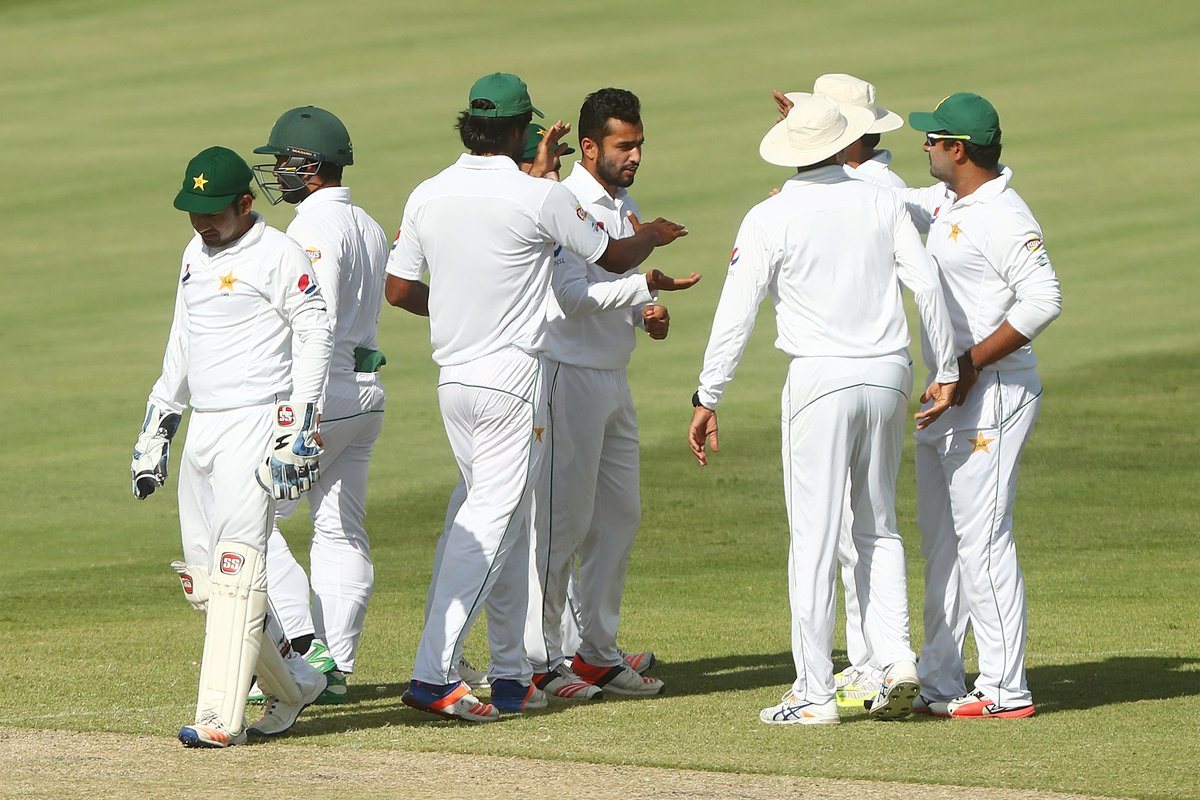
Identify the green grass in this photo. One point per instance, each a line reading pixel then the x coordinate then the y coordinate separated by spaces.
pixel 104 103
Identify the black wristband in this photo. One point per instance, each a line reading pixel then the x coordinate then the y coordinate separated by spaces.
pixel 696 400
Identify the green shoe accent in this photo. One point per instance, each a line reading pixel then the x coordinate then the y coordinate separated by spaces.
pixel 318 656
pixel 335 692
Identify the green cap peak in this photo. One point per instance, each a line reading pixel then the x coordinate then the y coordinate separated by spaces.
pixel 506 92
pixel 310 132
pixel 961 114
pixel 213 179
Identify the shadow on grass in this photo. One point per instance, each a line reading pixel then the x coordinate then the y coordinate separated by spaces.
pixel 1122 679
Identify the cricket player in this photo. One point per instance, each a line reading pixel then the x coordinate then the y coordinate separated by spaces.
pixel 833 251
pixel 348 252
pixel 249 350
pixel 866 161
pixel 1002 293
pixel 591 505
pixel 486 233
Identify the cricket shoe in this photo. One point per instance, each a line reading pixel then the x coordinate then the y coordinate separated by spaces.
pixel 562 684
pixel 856 685
pixel 934 708
pixel 318 656
pixel 210 731
pixel 618 680
pixel 450 701
pixel 278 714
pixel 976 705
pixel 513 697
pixel 471 676
pixel 639 662
pixel 336 692
pixel 791 710
pixel 898 688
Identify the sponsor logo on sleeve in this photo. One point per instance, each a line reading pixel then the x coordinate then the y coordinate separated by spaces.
pixel 734 256
pixel 306 285
pixel 579 212
pixel 231 563
pixel 187 273
pixel 286 417
pixel 314 255
pixel 1034 244
pixel 601 224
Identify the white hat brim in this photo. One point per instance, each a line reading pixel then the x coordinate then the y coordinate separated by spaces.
pixel 885 120
pixel 776 149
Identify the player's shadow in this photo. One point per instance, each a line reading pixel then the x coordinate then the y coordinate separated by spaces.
pixel 729 673
pixel 1120 679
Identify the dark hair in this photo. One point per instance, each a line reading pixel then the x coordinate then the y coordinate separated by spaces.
pixel 330 172
pixel 605 104
pixel 489 134
pixel 870 140
pixel 984 156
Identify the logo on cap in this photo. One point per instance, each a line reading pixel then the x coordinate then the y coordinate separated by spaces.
pixel 231 563
pixel 199 181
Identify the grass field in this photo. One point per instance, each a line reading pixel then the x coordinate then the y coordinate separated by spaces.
pixel 101 105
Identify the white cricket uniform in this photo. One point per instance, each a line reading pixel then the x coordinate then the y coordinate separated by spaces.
pixel 486 232
pixel 832 252
pixel 591 503
pixel 876 169
pixel 250 330
pixel 348 251
pixel 993 267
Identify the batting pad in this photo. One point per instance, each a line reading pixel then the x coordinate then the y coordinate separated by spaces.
pixel 274 675
pixel 237 607
pixel 194 579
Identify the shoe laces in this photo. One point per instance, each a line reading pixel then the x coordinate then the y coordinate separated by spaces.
pixel 210 719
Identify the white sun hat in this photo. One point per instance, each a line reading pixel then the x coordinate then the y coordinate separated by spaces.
pixel 815 129
pixel 847 90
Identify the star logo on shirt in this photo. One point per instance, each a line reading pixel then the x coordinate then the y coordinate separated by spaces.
pixel 199 181
pixel 227 281
pixel 980 442
pixel 538 433
pixel 955 231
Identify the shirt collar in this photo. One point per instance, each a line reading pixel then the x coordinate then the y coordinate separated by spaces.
pixel 882 158
pixel 471 161
pixel 332 194
pixel 990 190
pixel 584 185
pixel 834 173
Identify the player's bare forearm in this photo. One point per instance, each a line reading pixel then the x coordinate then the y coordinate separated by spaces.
pixel 412 296
pixel 622 255
pixel 999 343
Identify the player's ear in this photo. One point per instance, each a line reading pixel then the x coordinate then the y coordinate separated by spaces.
pixel 590 148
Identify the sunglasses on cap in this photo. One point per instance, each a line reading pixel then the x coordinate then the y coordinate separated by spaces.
pixel 933 138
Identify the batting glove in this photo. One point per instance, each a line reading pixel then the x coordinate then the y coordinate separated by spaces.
pixel 152 451
pixel 291 467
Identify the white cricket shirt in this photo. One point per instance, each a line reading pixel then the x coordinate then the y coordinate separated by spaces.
pixel 348 251
pixel 250 326
pixel 878 168
pixel 832 252
pixel 593 313
pixel 992 261
pixel 486 232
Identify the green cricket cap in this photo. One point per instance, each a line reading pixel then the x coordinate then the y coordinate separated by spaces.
pixel 534 138
pixel 962 114
pixel 213 179
pixel 311 132
pixel 507 93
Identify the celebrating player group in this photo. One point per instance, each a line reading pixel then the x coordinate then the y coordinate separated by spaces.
pixel 534 298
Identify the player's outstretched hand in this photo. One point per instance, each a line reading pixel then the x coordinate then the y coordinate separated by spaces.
pixel 782 103
pixel 703 430
pixel 942 395
pixel 152 452
pixel 659 281
pixel 664 230
pixel 291 465
pixel 657 320
pixel 550 149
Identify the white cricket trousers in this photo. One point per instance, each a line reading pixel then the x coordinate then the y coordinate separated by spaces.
pixel 967 488
pixel 494 412
pixel 343 576
pixel 589 504
pixel 219 499
pixel 843 423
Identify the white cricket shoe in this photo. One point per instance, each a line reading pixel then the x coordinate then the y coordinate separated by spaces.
pixel 280 715
pixel 855 685
pixel 791 710
pixel 210 731
pixel 618 680
pixel 898 688
pixel 472 677
pixel 451 701
pixel 562 684
pixel 639 662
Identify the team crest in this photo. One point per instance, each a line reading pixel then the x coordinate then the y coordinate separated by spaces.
pixel 231 563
